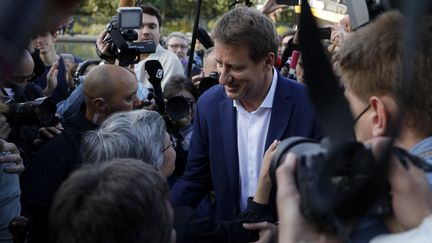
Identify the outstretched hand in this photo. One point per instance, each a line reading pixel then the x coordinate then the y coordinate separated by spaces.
pixel 270 8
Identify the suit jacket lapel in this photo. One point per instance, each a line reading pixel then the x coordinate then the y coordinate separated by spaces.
pixel 281 112
pixel 229 132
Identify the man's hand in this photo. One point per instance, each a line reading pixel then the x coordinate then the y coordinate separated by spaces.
pixel 11 154
pixel 69 75
pixel 411 194
pixel 196 80
pixel 48 132
pixel 5 128
pixel 103 46
pixel 264 182
pixel 293 227
pixel 267 231
pixel 270 8
pixel 51 79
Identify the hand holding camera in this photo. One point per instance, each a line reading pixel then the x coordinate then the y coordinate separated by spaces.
pixel 10 154
pixel 5 128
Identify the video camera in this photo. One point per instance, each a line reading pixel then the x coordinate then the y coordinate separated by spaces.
pixel 122 31
pixel 40 112
pixel 340 182
pixel 363 11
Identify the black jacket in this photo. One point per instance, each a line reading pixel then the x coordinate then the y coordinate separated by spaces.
pixel 52 164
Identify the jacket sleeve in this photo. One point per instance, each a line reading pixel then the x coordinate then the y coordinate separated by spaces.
pixel 196 181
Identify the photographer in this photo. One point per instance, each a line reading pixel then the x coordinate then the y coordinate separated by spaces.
pixel 378 95
pixel 107 89
pixel 410 189
pixel 181 97
pixel 148 31
pixel 11 162
pixel 373 89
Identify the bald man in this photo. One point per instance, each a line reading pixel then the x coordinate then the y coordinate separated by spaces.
pixel 107 89
pixel 14 82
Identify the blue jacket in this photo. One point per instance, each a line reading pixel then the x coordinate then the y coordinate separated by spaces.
pixel 213 158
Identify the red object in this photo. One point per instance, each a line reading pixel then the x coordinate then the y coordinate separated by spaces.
pixel 278 62
pixel 294 59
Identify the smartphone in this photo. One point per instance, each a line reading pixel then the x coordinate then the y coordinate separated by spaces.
pixel 288 2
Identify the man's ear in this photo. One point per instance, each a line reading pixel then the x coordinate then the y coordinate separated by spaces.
pixel 269 60
pixel 100 104
pixel 54 36
pixel 380 116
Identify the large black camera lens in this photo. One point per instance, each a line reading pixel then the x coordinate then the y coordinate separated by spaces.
pixel 340 181
pixel 39 112
pixel 178 107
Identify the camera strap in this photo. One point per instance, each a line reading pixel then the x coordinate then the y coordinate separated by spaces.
pixel 325 92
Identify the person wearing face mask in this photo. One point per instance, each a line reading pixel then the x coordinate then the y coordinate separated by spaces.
pixel 108 89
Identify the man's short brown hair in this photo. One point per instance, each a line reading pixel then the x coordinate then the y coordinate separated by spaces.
pixel 247 26
pixel 123 200
pixel 370 63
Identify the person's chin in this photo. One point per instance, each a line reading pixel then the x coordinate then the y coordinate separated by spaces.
pixel 232 93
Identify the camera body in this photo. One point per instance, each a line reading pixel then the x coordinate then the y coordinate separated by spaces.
pixel 178 107
pixel 40 112
pixel 336 182
pixel 363 11
pixel 209 81
pixel 123 34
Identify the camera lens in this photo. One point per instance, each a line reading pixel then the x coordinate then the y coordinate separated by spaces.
pixel 177 107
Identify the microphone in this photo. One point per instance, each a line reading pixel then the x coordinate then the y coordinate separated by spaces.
pixel 155 72
pixel 293 64
pixel 126 3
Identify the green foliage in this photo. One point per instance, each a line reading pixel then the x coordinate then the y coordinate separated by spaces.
pixel 99 10
pixel 179 15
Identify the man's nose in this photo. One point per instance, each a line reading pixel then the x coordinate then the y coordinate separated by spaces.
pixel 224 77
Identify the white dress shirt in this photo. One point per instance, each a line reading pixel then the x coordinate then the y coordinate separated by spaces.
pixel 252 128
pixel 421 234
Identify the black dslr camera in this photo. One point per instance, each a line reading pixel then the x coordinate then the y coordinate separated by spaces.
pixel 341 182
pixel 122 31
pixel 40 112
pixel 178 107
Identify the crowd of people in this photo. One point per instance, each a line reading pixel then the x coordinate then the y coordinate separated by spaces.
pixel 100 161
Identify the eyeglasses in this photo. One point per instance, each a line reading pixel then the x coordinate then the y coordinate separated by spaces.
pixel 175 46
pixel 169 145
pixel 362 113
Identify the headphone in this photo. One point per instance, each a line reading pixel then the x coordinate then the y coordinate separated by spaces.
pixel 82 67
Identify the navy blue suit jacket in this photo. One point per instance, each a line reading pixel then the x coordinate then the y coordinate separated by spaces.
pixel 213 157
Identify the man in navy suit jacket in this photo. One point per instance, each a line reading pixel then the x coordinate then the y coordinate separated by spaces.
pixel 236 121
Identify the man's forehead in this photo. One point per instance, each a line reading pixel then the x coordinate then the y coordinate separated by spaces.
pixel 149 19
pixel 177 40
pixel 230 51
